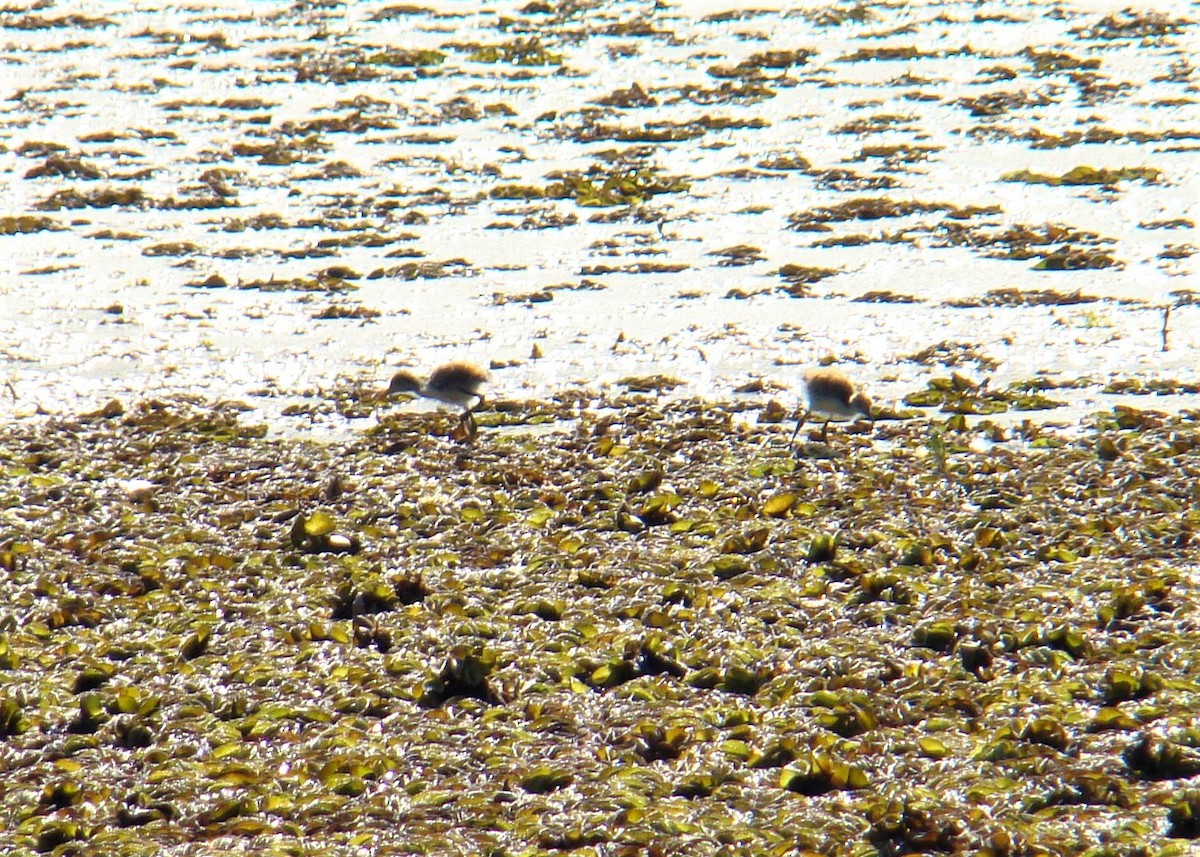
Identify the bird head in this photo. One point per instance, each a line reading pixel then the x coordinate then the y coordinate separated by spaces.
pixel 404 382
pixel 861 402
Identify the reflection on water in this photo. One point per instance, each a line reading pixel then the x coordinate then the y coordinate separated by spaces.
pixel 236 208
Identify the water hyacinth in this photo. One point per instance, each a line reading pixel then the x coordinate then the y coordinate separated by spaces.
pixel 805 649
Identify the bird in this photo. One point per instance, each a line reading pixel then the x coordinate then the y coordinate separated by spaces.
pixel 459 384
pixel 833 396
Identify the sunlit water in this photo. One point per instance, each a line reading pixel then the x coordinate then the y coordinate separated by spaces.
pixel 156 99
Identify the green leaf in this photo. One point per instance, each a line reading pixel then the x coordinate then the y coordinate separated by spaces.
pixel 319 524
pixel 544 779
pixel 779 505
pixel 933 748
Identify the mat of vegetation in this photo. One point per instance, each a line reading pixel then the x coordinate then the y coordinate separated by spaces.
pixel 652 630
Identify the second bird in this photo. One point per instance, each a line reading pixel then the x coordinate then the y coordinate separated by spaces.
pixel 832 396
pixel 459 384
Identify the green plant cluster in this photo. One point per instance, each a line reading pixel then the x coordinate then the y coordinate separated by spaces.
pixel 635 632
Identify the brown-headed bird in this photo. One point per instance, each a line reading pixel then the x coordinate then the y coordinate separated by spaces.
pixel 459 384
pixel 833 397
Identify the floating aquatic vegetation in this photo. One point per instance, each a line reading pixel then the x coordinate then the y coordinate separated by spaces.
pixel 317 534
pixel 653 591
pixel 1086 176
pixel 63 166
pixel 727 92
pixel 319 283
pixel 1026 297
pixel 877 208
pixel 910 825
pixel 889 54
pixel 618 619
pixel 762 66
pixel 105 197
pixel 897 155
pixel 1157 759
pixel 819 773
pixel 661 131
pixel 284 150
pixel 1131 24
pixel 40 22
pixel 738 255
pixel 1184 816
pixel 172 248
pixel 407 58
pixel 951 354
pixel 425 270
pixel 1076 259
pixel 337 312
pixel 520 52
pixel 465 674
pixel 1178 251
pixel 633 96
pixel 631 187
pixel 799 277
pixel 28 223
pixel 960 395
pixel 1151 387
pixel 649 383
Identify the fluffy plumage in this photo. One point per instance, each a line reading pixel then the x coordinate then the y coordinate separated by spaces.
pixel 459 384
pixel 832 397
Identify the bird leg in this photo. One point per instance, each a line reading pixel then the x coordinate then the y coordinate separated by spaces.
pixel 468 418
pixel 825 432
pixel 799 424
pixel 467 427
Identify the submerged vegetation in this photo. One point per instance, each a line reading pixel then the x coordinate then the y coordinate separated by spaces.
pixel 621 636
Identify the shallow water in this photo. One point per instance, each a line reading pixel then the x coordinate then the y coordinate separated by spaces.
pixel 106 300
